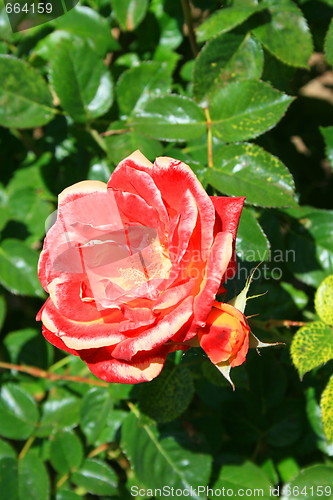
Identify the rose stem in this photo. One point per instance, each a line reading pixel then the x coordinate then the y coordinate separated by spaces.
pixel 189 23
pixel 37 372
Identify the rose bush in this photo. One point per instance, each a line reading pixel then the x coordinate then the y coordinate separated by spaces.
pixel 132 269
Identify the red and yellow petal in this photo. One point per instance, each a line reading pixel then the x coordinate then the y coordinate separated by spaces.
pixel 156 336
pixel 83 335
pixel 217 263
pixel 104 366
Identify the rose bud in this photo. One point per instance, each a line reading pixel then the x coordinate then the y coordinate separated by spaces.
pixel 225 338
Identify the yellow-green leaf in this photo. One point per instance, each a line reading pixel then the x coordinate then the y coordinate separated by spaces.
pixel 328 44
pixel 324 300
pixel 326 404
pixel 312 346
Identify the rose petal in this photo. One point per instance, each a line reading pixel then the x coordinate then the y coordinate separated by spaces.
pixel 125 178
pixel 109 369
pixel 65 296
pixel 218 339
pixel 156 336
pixel 217 263
pixel 240 357
pixel 136 210
pixel 228 212
pixel 172 296
pixel 172 179
pixel 136 318
pixel 83 335
pixel 179 239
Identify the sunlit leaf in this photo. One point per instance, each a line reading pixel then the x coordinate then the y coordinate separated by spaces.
pixel 157 460
pixel 90 91
pixel 312 346
pixel 228 57
pixel 129 13
pixel 326 405
pixel 247 170
pixel 324 300
pixel 284 27
pixel 245 109
pixel 25 100
pixel 18 268
pixel 170 118
pixel 19 414
pixel 227 18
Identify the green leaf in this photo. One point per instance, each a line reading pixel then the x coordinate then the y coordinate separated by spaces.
pixel 60 411
pixel 170 118
pixel 18 268
pixel 25 100
pixel 285 27
pixel 5 213
pixel 5 28
pixel 32 175
pixel 96 477
pixel 33 481
pixel 19 414
pixel 96 405
pixel 245 109
pixel 29 205
pixel 327 133
pixel 67 495
pixel 90 26
pixel 313 482
pixel 287 468
pixel 245 476
pixel 2 310
pixel 138 84
pixel 99 171
pixel 9 478
pixel 247 170
pixel 168 57
pixel 24 479
pixel 47 46
pixel 28 347
pixel 168 396
pixel 113 425
pixel 329 44
pixel 228 57
pixel 324 300
pixel 312 346
pixel 252 243
pixel 280 75
pixel 66 452
pixel 81 81
pixel 169 28
pixel 314 415
pixel 310 240
pixel 227 18
pixel 120 391
pixel 285 424
pixel 129 13
pixel 121 145
pixel 326 405
pixel 157 461
pixel 6 450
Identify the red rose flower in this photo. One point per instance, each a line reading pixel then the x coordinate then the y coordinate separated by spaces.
pixel 132 268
